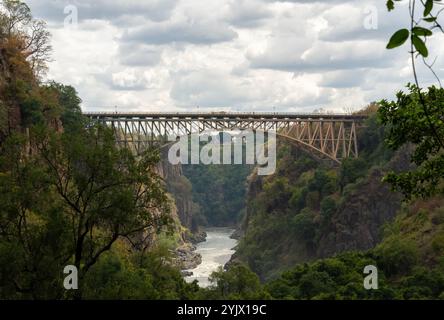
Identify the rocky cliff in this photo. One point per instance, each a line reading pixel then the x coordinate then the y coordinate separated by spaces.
pixel 184 212
pixel 356 225
pixel 357 222
pixel 181 190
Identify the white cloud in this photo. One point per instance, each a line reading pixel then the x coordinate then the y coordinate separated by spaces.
pixel 297 55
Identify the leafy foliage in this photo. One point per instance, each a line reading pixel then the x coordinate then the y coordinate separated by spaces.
pixel 119 275
pixel 75 195
pixel 418 34
pixel 67 193
pixel 238 283
pixel 409 122
pixel 28 36
pixel 417 117
pixel 409 267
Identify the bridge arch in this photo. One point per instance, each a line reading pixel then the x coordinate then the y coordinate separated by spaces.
pixel 310 149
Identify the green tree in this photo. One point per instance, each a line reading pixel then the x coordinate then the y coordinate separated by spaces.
pixel 396 256
pixel 351 170
pixel 68 100
pixel 24 50
pixel 67 192
pixel 417 117
pixel 407 122
pixel 238 282
pixel 31 37
pixel 71 199
pixel 328 207
pixel 305 226
pixel 119 275
pixel 315 283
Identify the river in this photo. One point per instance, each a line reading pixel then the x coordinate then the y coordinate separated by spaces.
pixel 216 251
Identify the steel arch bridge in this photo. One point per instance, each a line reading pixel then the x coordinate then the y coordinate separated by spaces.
pixel 331 136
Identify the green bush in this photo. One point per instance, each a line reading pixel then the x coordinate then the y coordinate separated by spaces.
pixel 315 283
pixel 328 207
pixel 438 243
pixel 147 277
pixel 351 170
pixel 238 282
pixel 396 256
pixel 304 226
pixel 297 200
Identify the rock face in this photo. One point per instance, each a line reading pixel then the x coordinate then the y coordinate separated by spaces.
pixel 187 258
pixel 181 190
pixel 196 237
pixel 10 114
pixel 183 212
pixel 358 221
pixel 237 234
pixel 186 273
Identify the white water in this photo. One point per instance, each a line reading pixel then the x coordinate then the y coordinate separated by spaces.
pixel 216 251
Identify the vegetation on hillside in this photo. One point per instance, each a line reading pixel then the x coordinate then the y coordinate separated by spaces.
pixel 410 263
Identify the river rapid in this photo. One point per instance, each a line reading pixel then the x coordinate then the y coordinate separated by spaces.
pixel 216 251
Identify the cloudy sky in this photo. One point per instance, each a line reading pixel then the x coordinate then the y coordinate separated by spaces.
pixel 239 55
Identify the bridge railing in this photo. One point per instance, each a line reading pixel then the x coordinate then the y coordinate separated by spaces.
pixel 218 113
pixel 227 115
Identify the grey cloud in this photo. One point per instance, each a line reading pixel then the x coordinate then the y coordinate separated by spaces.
pixel 363 79
pixel 311 1
pixel 326 56
pixel 248 13
pixel 134 82
pixel 344 78
pixel 210 89
pixel 139 55
pixel 207 89
pixel 53 10
pixel 196 32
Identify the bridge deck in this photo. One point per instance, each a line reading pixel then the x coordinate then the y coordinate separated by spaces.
pixel 223 115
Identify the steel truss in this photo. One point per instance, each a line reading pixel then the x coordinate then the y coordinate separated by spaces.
pixel 331 136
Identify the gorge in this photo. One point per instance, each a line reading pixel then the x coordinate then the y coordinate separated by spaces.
pixel 308 210
pixel 209 201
